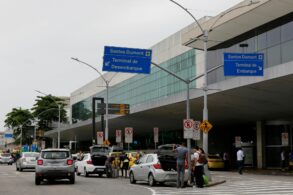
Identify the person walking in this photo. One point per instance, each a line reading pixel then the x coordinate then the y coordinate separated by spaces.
pixel 240 160
pixel 199 158
pixel 180 163
pixel 283 160
pixel 124 160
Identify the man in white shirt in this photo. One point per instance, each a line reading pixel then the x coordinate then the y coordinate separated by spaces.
pixel 240 160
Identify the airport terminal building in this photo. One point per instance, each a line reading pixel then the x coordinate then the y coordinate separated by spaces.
pixel 255 110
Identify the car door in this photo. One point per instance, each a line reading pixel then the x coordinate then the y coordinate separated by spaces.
pixel 146 167
pixel 138 168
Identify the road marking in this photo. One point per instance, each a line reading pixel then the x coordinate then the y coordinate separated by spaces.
pixel 150 189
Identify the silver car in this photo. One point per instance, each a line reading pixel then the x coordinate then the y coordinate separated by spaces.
pixel 151 169
pixel 55 164
pixel 27 160
pixel 6 158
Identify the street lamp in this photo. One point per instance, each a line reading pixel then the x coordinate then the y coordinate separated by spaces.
pixel 59 116
pixel 205 40
pixel 107 82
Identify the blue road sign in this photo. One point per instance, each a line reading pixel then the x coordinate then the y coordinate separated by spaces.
pixel 120 59
pixel 8 135
pixel 243 64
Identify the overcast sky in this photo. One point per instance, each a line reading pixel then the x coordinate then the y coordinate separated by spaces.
pixel 38 37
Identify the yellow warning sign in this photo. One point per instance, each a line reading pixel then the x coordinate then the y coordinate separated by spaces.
pixel 205 126
pixel 106 142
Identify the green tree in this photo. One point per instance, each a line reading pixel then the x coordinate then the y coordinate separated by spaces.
pixel 16 119
pixel 46 111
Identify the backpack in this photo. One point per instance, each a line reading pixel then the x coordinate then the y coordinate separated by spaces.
pixel 202 159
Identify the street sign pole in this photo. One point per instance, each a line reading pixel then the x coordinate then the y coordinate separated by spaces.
pixel 188 140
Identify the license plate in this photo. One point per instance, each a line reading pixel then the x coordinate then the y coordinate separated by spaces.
pixel 100 169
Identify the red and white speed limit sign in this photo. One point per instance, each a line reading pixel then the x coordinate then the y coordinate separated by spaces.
pixel 188 124
pixel 118 136
pixel 128 134
pixel 100 137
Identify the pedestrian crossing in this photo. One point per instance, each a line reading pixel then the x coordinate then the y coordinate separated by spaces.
pixel 239 187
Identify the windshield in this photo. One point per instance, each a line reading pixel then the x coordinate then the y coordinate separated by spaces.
pixel 55 154
pixel 31 154
pixel 100 149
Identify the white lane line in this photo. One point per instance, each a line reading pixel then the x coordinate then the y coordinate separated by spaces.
pixel 150 189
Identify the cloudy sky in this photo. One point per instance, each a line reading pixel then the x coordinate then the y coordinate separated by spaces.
pixel 38 37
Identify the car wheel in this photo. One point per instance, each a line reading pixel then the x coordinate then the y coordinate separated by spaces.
pixel 16 168
pixel 37 180
pixel 77 173
pixel 151 180
pixel 72 179
pixel 20 169
pixel 131 178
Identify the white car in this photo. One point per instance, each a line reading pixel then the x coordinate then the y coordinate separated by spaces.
pixel 6 158
pixel 85 166
pixel 150 169
pixel 27 160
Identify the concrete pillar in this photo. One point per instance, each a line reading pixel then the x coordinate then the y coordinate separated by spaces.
pixel 259 144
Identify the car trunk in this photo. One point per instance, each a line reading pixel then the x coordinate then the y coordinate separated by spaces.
pixel 99 159
pixel 168 162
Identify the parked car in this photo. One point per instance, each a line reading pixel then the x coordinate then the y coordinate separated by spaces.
pixel 215 162
pixel 6 158
pixel 151 169
pixel 27 160
pixel 86 167
pixel 55 164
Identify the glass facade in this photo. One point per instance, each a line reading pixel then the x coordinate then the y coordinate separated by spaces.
pixel 276 44
pixel 145 88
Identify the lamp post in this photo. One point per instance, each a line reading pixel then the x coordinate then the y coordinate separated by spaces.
pixel 107 82
pixel 59 117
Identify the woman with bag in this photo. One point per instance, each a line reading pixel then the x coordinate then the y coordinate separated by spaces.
pixel 199 161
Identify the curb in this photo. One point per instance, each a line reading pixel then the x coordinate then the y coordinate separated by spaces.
pixel 215 183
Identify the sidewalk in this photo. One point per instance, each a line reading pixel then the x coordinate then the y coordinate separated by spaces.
pixel 269 172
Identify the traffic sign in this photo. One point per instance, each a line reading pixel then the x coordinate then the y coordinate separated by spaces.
pixel 132 60
pixel 118 136
pixel 8 135
pixel 205 126
pixel 188 128
pixel 128 135
pixel 196 130
pixel 100 137
pixel 116 109
pixel 243 64
pixel 106 142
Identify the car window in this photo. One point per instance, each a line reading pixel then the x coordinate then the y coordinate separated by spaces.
pixel 55 154
pixel 30 154
pixel 150 159
pixel 100 149
pixel 143 159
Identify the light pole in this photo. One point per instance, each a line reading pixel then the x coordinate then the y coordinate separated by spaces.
pixel 59 116
pixel 107 82
pixel 205 40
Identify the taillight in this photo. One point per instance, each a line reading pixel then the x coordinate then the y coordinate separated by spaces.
pixel 70 162
pixel 157 166
pixel 40 162
pixel 89 162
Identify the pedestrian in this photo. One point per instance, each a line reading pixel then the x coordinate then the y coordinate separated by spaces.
pixel 199 161
pixel 240 160
pixel 124 160
pixel 283 160
pixel 180 163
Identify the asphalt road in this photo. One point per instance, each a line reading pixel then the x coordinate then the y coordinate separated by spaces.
pixel 22 183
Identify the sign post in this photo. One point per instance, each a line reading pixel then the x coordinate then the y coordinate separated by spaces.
pixel 156 136
pixel 243 64
pixel 131 60
pixel 128 135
